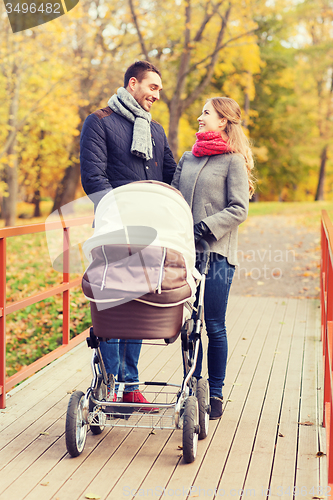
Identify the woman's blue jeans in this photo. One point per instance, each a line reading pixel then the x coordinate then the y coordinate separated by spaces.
pixel 217 289
pixel 121 358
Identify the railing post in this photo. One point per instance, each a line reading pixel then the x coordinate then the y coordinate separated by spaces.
pixel 326 300
pixel 329 409
pixel 323 285
pixel 2 323
pixel 66 293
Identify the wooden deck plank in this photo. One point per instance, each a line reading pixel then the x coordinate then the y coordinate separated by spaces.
pixel 241 448
pixel 60 372
pixel 169 465
pixel 18 457
pixel 222 441
pixel 37 419
pixel 260 461
pixel 109 472
pixel 284 464
pixel 323 472
pixel 273 354
pixel 307 461
pixel 80 476
pixel 137 469
pixel 239 372
pixel 59 468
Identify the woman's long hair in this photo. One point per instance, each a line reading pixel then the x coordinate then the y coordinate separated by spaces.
pixel 239 143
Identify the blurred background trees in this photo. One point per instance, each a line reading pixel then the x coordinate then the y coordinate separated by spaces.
pixel 274 58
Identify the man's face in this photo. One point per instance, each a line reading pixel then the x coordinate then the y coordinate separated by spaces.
pixel 147 91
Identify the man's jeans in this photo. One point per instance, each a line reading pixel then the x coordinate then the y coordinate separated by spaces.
pixel 121 358
pixel 217 288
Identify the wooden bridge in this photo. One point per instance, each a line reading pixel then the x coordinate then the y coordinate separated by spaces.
pixel 269 442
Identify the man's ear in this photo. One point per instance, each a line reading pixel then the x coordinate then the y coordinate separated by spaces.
pixel 132 83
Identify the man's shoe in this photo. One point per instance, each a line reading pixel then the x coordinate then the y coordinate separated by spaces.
pixel 137 397
pixel 108 395
pixel 215 408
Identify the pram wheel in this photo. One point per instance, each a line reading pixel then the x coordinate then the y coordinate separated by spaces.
pixel 190 429
pixel 100 394
pixel 76 429
pixel 204 408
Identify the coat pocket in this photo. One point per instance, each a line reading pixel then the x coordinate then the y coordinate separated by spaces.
pixel 209 209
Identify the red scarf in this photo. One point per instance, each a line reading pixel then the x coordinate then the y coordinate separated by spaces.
pixel 210 143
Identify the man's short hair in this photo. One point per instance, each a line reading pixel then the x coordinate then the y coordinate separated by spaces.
pixel 138 70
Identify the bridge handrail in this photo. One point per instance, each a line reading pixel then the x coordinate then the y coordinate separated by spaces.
pixel 64 289
pixel 326 302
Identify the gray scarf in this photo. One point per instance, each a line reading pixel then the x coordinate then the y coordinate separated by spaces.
pixel 125 105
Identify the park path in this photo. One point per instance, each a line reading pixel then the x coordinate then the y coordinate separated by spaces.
pixel 278 257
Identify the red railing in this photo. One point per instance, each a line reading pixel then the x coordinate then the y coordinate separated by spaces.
pixel 63 288
pixel 326 299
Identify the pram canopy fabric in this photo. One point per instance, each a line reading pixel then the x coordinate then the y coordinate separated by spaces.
pixel 151 204
pixel 142 246
pixel 142 272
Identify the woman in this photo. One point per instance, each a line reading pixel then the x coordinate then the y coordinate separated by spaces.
pixel 215 180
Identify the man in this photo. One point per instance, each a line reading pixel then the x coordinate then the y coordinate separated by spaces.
pixel 121 144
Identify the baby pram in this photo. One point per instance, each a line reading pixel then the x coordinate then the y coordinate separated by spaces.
pixel 142 283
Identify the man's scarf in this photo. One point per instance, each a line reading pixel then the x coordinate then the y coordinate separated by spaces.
pixel 124 104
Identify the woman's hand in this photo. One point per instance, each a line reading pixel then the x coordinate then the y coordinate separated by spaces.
pixel 200 230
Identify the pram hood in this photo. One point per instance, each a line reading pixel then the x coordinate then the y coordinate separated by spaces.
pixel 142 247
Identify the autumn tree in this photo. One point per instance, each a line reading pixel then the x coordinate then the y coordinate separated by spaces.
pixel 316 65
pixel 275 124
pixel 102 42
pixel 188 41
pixel 31 72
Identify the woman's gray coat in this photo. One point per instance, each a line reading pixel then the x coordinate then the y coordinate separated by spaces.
pixel 217 191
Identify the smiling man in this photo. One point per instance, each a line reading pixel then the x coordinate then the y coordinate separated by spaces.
pixel 122 144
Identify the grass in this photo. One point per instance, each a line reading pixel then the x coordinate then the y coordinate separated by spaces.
pixel 308 214
pixel 37 329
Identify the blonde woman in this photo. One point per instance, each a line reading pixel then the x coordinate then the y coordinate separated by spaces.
pixel 215 180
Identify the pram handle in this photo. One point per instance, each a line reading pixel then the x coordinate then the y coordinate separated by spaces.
pixel 204 264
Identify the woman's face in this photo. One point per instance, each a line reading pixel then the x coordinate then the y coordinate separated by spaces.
pixel 210 120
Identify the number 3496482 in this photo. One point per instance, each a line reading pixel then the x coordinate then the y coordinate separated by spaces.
pixel 32 8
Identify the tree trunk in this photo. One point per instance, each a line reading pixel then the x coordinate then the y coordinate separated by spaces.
pixel 321 181
pixel 10 169
pixel 66 189
pixel 36 202
pixel 9 202
pixel 39 159
pixel 175 113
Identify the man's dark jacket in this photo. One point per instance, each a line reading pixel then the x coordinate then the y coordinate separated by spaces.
pixel 106 158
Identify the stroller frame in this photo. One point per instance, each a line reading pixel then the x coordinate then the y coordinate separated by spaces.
pixel 184 406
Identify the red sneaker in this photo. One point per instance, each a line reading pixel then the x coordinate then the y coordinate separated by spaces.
pixel 114 395
pixel 137 397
